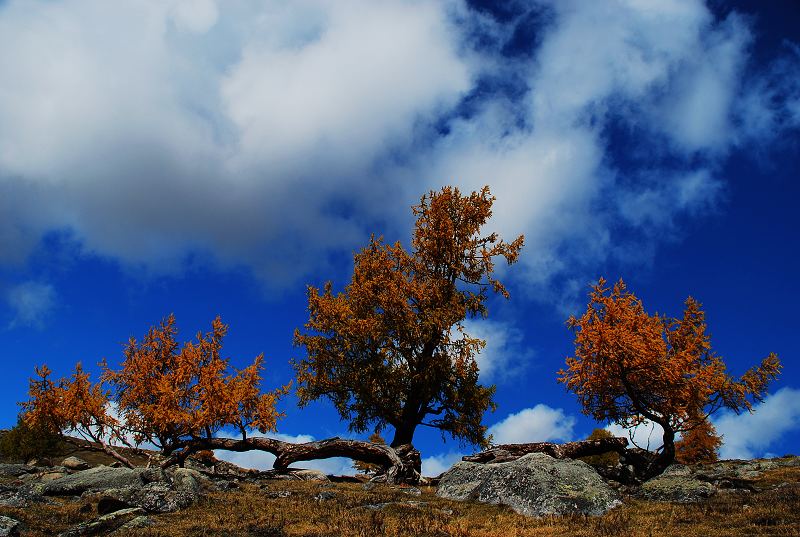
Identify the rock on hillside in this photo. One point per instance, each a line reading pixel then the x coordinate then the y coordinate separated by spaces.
pixel 534 485
pixel 99 478
pixel 685 484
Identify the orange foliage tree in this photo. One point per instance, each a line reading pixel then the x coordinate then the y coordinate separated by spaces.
pixel 165 394
pixel 391 349
pixel 73 405
pixel 700 444
pixel 630 367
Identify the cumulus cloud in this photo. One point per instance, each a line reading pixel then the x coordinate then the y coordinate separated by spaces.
pixel 263 124
pixel 538 424
pixel 503 356
pixel 275 135
pixel 30 303
pixel 647 435
pixel 438 464
pixel 749 435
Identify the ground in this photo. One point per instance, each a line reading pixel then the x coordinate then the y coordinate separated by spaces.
pixel 317 509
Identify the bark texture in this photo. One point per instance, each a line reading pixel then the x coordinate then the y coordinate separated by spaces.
pixel 570 450
pixel 401 464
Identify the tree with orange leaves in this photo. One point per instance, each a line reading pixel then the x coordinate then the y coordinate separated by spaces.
pixel 165 394
pixel 391 349
pixel 73 405
pixel 630 367
pixel 700 444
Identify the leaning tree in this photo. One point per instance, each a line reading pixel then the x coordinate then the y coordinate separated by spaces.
pixel 631 367
pixel 391 349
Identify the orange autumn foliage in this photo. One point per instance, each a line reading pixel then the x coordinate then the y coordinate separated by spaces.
pixel 164 393
pixel 391 349
pixel 698 445
pixel 630 367
pixel 73 404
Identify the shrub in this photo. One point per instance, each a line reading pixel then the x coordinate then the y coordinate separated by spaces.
pixel 25 442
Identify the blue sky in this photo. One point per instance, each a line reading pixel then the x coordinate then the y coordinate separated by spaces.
pixel 204 158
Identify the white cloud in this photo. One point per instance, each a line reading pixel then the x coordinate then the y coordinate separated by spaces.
pixel 749 435
pixel 261 125
pixel 260 460
pixel 503 357
pixel 196 16
pixel 538 424
pixel 438 464
pixel 30 303
pixel 647 435
pixel 271 135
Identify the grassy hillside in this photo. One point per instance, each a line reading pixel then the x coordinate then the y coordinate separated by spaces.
pixel 317 509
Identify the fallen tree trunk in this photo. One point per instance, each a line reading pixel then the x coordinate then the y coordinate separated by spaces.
pixel 402 465
pixel 637 464
pixel 570 450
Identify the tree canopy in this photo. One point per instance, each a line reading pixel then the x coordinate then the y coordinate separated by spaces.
pixel 164 393
pixel 630 367
pixel 391 349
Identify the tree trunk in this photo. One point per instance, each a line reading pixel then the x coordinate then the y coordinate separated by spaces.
pixel 660 462
pixel 402 464
pixel 570 450
pixel 646 465
pixel 403 434
pixel 99 446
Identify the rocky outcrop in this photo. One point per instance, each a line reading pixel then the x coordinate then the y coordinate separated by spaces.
pixel 686 484
pixel 152 497
pixel 9 527
pixel 105 524
pixel 16 470
pixel 677 484
pixel 534 485
pixel 100 478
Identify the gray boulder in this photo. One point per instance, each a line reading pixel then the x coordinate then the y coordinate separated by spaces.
pixel 9 527
pixel 686 484
pixel 533 485
pixel 152 497
pixel 309 475
pixel 187 480
pixel 105 524
pixel 16 470
pixel 99 478
pixel 677 484
pixel 75 464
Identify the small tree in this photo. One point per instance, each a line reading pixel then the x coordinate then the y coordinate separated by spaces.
pixel 698 445
pixel 391 349
pixel 74 406
pixel 22 442
pixel 164 394
pixel 630 367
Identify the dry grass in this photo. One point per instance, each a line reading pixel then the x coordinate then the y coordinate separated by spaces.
pixel 254 511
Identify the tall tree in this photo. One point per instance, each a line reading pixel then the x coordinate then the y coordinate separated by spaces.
pixel 391 349
pixel 630 367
